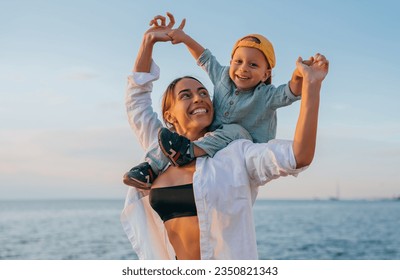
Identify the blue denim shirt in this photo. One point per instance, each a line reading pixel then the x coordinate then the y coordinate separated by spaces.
pixel 255 109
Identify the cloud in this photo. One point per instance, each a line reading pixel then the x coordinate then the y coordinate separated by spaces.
pixel 69 163
pixel 387 131
pixel 81 76
pixel 341 107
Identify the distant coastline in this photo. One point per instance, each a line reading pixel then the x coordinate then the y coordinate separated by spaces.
pixel 394 198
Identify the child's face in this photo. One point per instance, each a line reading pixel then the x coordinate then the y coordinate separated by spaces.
pixel 248 68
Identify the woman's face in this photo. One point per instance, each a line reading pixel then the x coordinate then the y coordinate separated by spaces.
pixel 192 111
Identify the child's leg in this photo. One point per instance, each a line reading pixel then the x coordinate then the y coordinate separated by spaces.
pixel 177 148
pixel 143 175
pixel 180 150
pixel 218 139
pixel 155 157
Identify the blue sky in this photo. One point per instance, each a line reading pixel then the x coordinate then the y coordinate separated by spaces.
pixel 63 67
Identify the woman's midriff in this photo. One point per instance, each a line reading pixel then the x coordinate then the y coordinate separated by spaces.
pixel 184 235
pixel 183 232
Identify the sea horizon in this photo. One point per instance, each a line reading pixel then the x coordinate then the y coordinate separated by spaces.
pixel 286 229
pixel 394 197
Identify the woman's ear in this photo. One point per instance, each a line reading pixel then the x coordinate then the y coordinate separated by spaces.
pixel 169 118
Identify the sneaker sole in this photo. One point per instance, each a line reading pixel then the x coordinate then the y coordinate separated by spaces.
pixel 136 183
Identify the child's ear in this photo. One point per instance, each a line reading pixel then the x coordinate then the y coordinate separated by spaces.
pixel 267 74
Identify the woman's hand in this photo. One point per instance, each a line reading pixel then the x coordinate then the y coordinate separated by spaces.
pixel 160 30
pixel 315 69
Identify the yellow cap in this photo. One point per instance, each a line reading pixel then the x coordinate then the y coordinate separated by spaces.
pixel 265 46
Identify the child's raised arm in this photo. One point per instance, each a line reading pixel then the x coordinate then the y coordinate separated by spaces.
pixel 179 36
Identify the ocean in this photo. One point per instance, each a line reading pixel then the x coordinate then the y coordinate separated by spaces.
pixel 286 230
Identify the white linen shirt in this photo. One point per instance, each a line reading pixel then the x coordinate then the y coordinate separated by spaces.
pixel 225 187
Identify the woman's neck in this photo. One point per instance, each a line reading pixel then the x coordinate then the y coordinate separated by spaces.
pixel 192 135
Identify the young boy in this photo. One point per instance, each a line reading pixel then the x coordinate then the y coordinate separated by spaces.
pixel 244 100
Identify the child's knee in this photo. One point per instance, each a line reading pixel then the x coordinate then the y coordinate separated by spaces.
pixel 238 131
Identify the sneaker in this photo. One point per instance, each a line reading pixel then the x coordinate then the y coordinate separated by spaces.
pixel 141 176
pixel 178 149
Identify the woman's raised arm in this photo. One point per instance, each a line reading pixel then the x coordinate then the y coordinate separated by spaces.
pixel 142 118
pixel 304 141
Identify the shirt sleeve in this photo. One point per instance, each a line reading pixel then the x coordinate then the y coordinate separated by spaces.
pixel 144 228
pixel 268 161
pixel 281 96
pixel 142 119
pixel 143 78
pixel 212 67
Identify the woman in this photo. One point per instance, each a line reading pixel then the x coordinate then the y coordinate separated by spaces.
pixel 206 206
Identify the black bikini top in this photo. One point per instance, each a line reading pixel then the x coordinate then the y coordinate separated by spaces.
pixel 173 202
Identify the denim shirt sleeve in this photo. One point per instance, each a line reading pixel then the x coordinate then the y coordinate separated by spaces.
pixel 142 119
pixel 212 67
pixel 281 96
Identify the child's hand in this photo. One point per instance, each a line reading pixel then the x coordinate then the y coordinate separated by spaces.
pixel 178 35
pixel 309 61
pixel 296 74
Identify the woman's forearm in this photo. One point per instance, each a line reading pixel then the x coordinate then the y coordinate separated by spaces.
pixel 305 137
pixel 144 57
pixel 304 142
